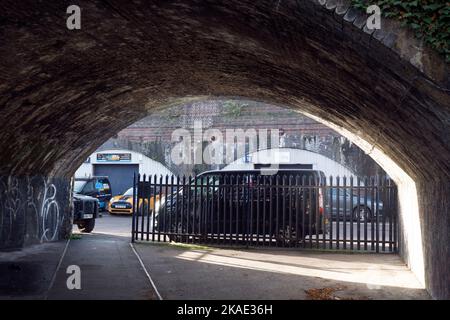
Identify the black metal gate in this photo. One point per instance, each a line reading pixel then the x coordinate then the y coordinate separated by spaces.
pixel 280 210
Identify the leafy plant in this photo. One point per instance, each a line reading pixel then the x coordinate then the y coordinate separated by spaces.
pixel 429 19
pixel 234 109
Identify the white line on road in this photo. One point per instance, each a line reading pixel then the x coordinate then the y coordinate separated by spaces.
pixel 146 272
pixel 57 269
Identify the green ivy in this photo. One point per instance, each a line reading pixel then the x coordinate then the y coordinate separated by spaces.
pixel 429 19
pixel 234 109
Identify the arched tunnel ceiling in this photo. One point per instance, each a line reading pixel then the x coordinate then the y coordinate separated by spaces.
pixel 63 93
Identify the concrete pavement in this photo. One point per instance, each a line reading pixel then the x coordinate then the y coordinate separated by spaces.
pixel 109 267
pixel 186 272
pixel 28 273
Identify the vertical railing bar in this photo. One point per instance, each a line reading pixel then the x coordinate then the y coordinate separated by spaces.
pixel 166 193
pixel 171 215
pixel 155 194
pixel 177 230
pixel 372 210
pixel 195 208
pixel 366 214
pixel 219 194
pixel 237 206
pixel 297 208
pixel 142 208
pixel 264 204
pixel 224 207
pixel 344 182
pixel 338 222
pixel 271 210
pixel 140 215
pixel 161 204
pixel 258 207
pixel 277 210
pixel 183 223
pixel 331 206
pixel 230 209
pixel 149 198
pixel 383 221
pixel 204 201
pixel 206 210
pixel 304 200
pixel 188 209
pixel 283 190
pixel 310 218
pixel 377 233
pixel 290 206
pixel 396 224
pixel 351 213
pixel 323 184
pixel 358 220
pixel 133 221
pixel 390 212
pixel 211 208
pixel 315 188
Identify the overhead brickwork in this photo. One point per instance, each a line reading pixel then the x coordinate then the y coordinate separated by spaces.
pixel 63 93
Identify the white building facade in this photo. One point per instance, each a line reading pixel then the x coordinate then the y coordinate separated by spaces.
pixel 292 157
pixel 119 166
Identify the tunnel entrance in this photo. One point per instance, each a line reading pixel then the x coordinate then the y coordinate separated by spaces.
pixel 63 95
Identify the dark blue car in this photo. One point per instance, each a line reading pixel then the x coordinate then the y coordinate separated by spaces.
pixel 97 187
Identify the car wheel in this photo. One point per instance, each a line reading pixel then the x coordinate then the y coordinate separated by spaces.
pixel 178 230
pixel 361 213
pixel 86 226
pixel 288 236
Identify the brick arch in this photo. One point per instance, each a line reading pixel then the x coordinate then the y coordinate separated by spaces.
pixel 63 93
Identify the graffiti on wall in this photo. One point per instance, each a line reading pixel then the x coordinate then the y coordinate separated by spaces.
pixel 32 209
pixel 44 206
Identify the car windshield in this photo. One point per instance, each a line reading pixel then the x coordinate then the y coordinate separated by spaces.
pixel 78 186
pixel 129 192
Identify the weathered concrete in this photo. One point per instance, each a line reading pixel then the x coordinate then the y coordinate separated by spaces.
pixel 63 93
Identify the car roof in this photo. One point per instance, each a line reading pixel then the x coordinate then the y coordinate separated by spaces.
pixel 257 171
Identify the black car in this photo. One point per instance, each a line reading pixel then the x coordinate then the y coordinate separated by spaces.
pixel 98 187
pixel 245 202
pixel 85 211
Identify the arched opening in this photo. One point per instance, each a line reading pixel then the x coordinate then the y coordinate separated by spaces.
pixel 64 95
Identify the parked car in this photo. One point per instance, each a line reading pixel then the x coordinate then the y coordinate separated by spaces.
pixel 234 210
pixel 123 204
pixel 97 187
pixel 359 207
pixel 85 211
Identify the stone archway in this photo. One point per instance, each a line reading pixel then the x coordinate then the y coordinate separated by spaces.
pixel 65 92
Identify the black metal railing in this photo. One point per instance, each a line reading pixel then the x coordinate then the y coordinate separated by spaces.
pixel 278 210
